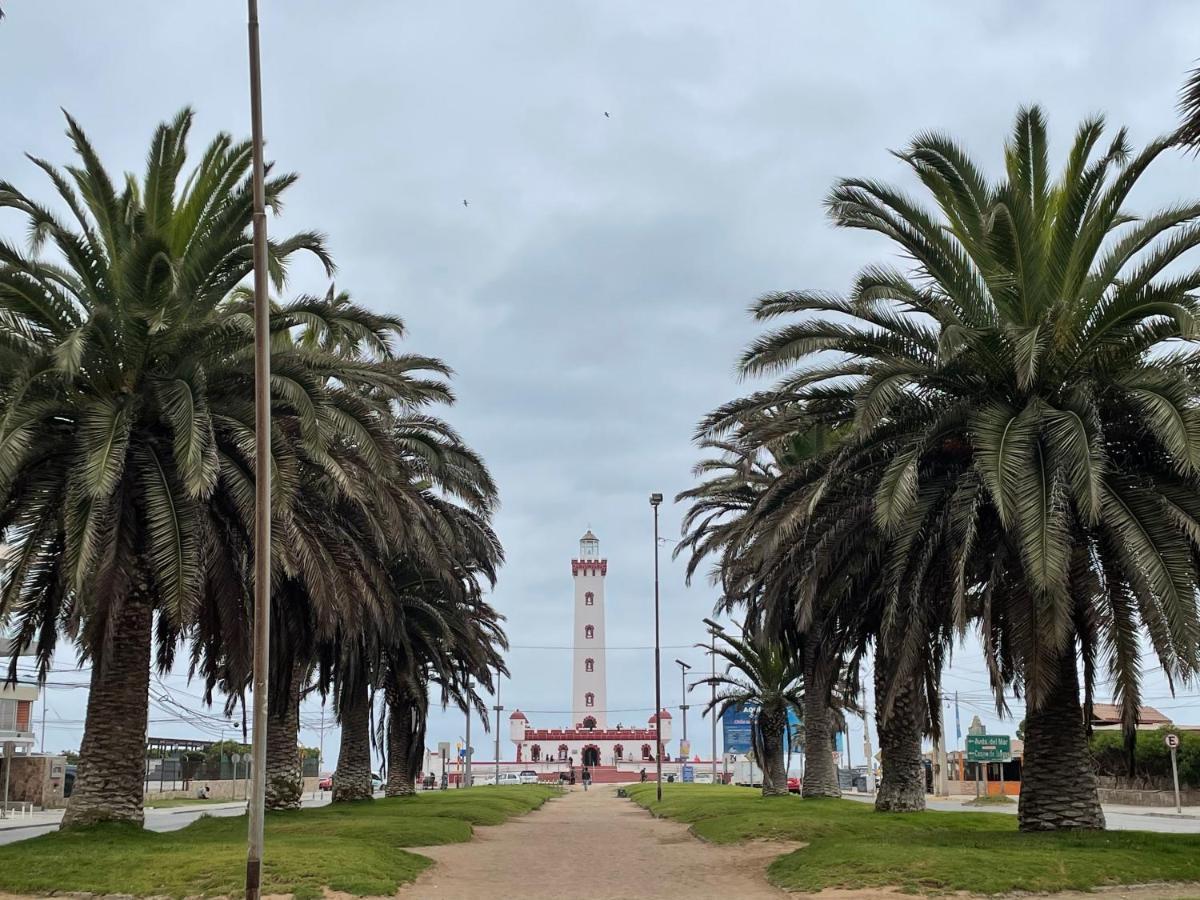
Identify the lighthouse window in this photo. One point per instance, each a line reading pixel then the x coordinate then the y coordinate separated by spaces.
pixel 589 599
pixel 589 699
pixel 589 664
pixel 589 723
pixel 589 632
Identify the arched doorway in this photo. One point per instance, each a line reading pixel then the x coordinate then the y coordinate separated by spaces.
pixel 591 755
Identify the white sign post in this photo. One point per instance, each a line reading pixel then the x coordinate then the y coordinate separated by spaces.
pixel 1172 741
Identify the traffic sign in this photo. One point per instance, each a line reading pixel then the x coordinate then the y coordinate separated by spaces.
pixel 1172 741
pixel 989 748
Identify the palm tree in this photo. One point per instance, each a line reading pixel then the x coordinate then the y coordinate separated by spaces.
pixel 1022 396
pixel 124 403
pixel 758 571
pixel 357 499
pixel 761 674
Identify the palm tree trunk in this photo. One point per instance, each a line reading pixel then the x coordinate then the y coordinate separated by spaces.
pixel 1058 784
pixel 902 788
pixel 110 782
pixel 352 778
pixel 820 774
pixel 285 781
pixel 772 725
pixel 400 781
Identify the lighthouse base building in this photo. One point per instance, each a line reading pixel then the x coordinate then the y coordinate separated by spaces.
pixel 586 745
pixel 591 740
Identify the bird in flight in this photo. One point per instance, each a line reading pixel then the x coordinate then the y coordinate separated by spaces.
pixel 606 115
pixel 465 203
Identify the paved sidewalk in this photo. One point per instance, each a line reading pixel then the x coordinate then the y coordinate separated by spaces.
pixel 593 844
pixel 1117 817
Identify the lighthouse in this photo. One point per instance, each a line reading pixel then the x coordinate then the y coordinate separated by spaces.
pixel 592 738
pixel 589 695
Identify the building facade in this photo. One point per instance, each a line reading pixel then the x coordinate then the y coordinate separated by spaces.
pixel 591 740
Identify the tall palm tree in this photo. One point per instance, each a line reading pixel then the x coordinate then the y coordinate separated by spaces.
pixel 1027 392
pixel 759 571
pixel 763 675
pixel 357 499
pixel 125 396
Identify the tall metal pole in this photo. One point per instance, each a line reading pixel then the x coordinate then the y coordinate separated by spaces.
pixel 683 704
pixel 467 767
pixel 262 474
pixel 499 709
pixel 655 500
pixel 713 685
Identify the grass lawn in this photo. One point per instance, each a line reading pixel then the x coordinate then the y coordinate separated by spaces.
pixel 349 847
pixel 852 846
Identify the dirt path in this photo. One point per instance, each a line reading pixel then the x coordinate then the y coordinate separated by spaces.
pixel 598 846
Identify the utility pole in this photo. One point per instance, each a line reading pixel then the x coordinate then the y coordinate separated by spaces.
pixel 714 628
pixel 499 709
pixel 262 471
pixel 683 704
pixel 467 767
pixel 655 500
pixel 868 750
pixel 43 719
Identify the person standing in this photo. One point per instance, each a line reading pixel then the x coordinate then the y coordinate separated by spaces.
pixel 587 777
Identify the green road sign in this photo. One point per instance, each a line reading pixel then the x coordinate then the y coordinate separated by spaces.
pixel 989 748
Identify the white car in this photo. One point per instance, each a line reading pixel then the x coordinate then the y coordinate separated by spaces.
pixel 509 778
pixel 529 777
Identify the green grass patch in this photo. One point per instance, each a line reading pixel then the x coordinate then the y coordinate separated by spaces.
pixel 351 847
pixel 849 845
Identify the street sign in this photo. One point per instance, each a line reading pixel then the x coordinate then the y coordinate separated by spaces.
pixel 1172 741
pixel 689 774
pixel 989 748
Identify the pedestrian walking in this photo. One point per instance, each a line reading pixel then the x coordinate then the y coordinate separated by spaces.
pixel 587 778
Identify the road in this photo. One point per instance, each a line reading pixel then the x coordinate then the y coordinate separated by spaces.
pixel 11 830
pixel 1118 818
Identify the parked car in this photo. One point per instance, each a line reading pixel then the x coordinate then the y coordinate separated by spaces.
pixel 509 778
pixel 69 780
pixel 528 776
pixel 325 784
pixel 793 785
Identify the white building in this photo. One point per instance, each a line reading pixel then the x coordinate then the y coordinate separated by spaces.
pixel 591 740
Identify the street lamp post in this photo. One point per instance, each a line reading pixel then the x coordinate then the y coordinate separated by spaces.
pixel 467 767
pixel 714 628
pixel 655 500
pixel 499 709
pixel 262 470
pixel 683 704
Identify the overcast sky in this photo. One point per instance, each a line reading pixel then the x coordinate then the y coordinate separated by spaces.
pixel 592 296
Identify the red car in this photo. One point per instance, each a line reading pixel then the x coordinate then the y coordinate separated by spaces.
pixel 325 784
pixel 793 785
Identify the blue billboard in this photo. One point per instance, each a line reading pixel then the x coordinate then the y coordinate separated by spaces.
pixel 736 724
pixel 735 730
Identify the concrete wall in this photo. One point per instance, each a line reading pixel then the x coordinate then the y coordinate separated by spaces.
pixel 218 790
pixel 36 779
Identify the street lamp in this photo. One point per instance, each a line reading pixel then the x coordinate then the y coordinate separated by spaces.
pixel 655 500
pixel 262 469
pixel 683 705
pixel 714 628
pixel 499 709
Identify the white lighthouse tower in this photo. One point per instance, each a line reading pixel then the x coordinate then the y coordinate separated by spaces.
pixel 589 693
